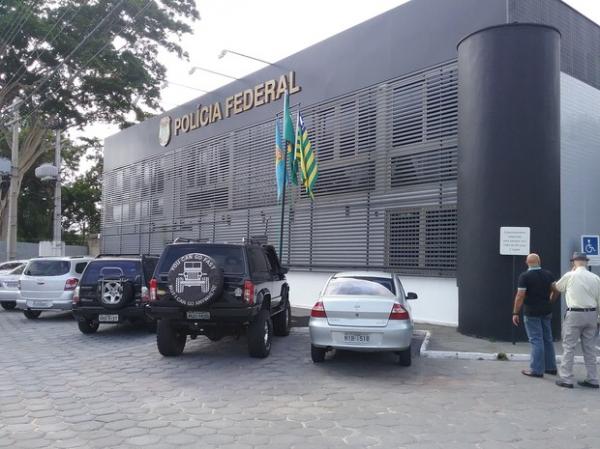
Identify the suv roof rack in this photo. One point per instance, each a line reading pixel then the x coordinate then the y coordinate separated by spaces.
pixel 62 257
pixel 189 240
pixel 256 240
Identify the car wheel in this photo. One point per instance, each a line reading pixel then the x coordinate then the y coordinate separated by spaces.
pixel 260 332
pixel 317 354
pixel 405 357
pixel 282 321
pixel 32 314
pixel 88 326
pixel 8 305
pixel 170 341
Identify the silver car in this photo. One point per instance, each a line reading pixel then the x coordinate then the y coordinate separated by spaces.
pixel 10 265
pixel 362 311
pixel 48 283
pixel 9 287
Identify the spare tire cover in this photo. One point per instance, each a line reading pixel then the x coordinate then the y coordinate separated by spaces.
pixel 195 279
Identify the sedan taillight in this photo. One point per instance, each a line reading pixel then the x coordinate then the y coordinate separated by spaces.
pixel 318 310
pixel 71 283
pixel 399 313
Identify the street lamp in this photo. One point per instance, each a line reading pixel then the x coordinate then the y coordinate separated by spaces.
pixel 225 51
pixel 193 69
pixel 49 172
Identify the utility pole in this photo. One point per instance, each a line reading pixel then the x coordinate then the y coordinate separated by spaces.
pixel 57 194
pixel 13 192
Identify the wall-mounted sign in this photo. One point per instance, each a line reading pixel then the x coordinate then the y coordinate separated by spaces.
pixel 243 101
pixel 514 241
pixel 590 245
pixel 164 132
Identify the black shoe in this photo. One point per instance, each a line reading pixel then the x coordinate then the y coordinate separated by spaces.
pixel 552 372
pixel 562 383
pixel 585 383
pixel 531 373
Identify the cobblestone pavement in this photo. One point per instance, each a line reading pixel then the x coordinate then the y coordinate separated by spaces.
pixel 60 388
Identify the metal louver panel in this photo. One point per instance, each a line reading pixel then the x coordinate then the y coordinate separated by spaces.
pixel 422 240
pixel 383 151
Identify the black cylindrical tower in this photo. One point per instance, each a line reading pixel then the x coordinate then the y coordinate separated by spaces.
pixel 509 166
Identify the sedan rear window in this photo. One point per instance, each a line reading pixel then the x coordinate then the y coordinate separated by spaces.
pixel 48 268
pixel 360 286
pixel 9 265
pixel 18 270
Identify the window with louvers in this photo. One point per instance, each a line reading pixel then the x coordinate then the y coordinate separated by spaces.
pixel 422 240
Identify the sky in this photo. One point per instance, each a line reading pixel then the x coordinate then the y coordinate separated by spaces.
pixel 255 28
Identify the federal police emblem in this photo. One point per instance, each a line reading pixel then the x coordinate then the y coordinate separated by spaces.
pixel 164 132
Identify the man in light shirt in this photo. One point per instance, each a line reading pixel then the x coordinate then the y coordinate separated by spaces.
pixel 581 289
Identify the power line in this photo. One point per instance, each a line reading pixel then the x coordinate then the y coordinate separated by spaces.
pixel 17 28
pixel 70 55
pixel 95 55
pixel 50 42
pixel 13 26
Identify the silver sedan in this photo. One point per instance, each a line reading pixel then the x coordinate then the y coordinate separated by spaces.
pixel 362 311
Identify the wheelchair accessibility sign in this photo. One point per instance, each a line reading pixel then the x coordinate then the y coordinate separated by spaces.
pixel 589 245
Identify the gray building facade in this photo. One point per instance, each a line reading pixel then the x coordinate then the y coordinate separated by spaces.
pixel 381 103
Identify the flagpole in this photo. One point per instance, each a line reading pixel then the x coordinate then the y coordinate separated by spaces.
pixel 285 152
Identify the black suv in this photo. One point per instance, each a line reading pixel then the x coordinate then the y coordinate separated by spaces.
pixel 112 289
pixel 215 290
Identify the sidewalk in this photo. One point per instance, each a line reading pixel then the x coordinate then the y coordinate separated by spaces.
pixel 446 338
pixel 446 342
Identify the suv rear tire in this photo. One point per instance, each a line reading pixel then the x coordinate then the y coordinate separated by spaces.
pixel 32 314
pixel 88 326
pixel 260 334
pixel 8 305
pixel 169 340
pixel 282 321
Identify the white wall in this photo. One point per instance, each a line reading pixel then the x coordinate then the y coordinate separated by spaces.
pixel 437 303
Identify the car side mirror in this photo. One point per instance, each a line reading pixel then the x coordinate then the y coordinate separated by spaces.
pixel 411 295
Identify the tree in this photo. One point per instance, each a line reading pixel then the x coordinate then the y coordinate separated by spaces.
pixel 82 62
pixel 81 198
pixel 81 195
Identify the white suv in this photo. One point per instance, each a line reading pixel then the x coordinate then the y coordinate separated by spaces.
pixel 48 283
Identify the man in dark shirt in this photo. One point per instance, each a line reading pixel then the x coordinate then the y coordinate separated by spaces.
pixel 535 295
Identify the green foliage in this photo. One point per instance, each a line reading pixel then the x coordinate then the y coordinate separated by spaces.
pixel 53 57
pixel 114 72
pixel 81 196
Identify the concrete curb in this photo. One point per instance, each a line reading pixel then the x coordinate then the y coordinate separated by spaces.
pixel 465 355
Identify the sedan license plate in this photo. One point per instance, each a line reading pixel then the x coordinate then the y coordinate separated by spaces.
pixel 350 337
pixel 108 318
pixel 198 315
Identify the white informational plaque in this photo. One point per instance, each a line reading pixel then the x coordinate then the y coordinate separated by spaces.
pixel 514 241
